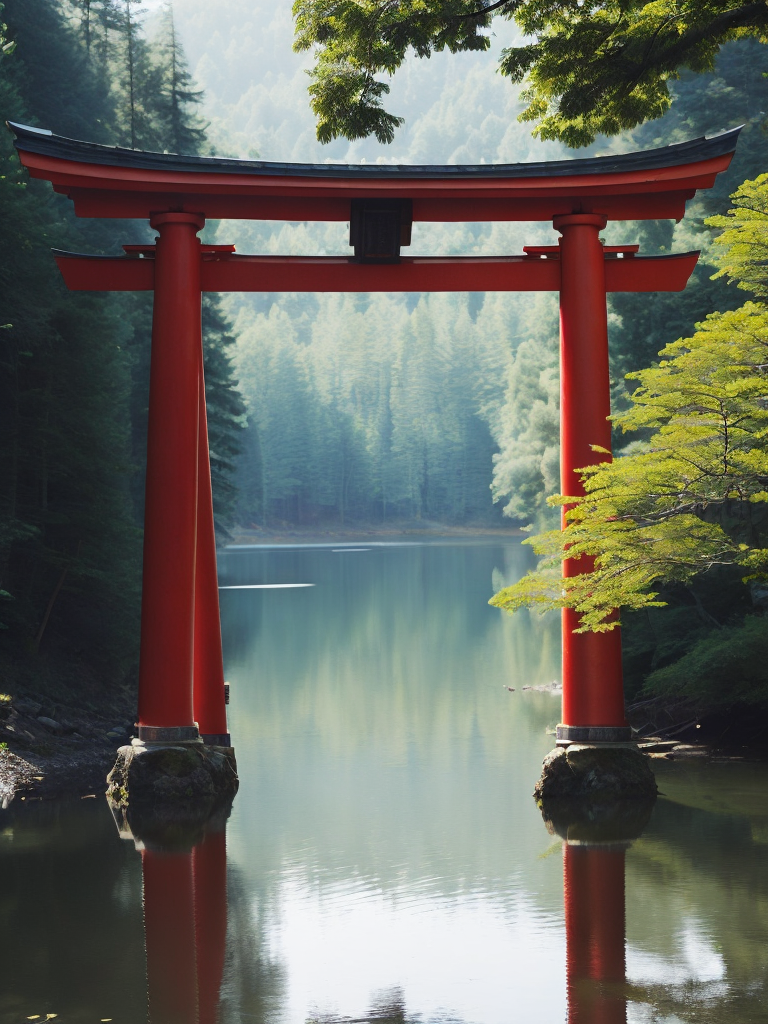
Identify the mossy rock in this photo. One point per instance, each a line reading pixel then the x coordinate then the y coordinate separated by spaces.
pixel 596 773
pixel 166 794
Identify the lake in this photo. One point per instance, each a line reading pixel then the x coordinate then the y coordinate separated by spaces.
pixel 384 858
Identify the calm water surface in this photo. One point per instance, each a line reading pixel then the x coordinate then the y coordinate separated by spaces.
pixel 385 860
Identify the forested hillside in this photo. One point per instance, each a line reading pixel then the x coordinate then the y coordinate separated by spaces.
pixel 74 381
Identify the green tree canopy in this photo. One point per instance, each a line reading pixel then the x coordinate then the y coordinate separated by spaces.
pixel 689 497
pixel 589 66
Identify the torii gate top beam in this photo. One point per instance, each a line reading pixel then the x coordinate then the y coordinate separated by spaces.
pixel 105 181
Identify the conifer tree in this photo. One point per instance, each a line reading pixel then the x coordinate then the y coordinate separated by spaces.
pixel 104 24
pixel 67 543
pixel 183 130
pixel 87 21
pixel 527 466
pixel 138 82
pixel 164 112
pixel 226 410
pixel 75 367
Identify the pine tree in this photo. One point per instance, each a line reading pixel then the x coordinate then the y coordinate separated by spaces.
pixel 183 130
pixel 106 18
pixel 138 81
pixel 160 104
pixel 226 411
pixel 527 466
pixel 75 367
pixel 48 52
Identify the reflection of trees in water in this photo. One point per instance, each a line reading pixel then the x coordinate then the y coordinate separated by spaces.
pixel 387 1007
pixel 370 712
pixel 691 867
pixel 254 982
pixel 394 650
pixel 702 1003
pixel 371 719
pixel 241 611
pixel 72 938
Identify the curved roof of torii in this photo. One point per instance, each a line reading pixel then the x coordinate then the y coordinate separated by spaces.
pixel 107 181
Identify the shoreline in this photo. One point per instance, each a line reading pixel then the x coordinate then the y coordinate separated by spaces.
pixel 286 534
pixel 37 763
pixel 43 757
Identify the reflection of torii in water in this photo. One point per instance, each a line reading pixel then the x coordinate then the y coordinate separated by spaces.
pixel 593 889
pixel 185 923
pixel 185 920
pixel 181 684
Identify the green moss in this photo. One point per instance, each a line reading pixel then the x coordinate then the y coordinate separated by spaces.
pixel 177 761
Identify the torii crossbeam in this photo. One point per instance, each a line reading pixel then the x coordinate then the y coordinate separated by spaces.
pixel 181 683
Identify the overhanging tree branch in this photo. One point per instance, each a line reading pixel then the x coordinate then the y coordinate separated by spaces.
pixel 511 4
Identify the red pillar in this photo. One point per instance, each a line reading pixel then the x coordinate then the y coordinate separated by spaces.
pixel 593 694
pixel 170 517
pixel 169 925
pixel 209 861
pixel 593 882
pixel 209 702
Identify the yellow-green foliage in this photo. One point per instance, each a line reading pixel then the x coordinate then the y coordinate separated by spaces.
pixel 684 500
pixel 745 239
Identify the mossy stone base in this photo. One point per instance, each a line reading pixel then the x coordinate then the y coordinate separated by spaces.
pixel 166 795
pixel 591 773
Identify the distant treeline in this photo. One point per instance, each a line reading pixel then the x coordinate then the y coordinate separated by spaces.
pixel 74 367
pixel 373 408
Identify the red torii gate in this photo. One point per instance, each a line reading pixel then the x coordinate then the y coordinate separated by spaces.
pixel 181 684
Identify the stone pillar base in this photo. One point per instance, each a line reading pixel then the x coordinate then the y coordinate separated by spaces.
pixel 166 794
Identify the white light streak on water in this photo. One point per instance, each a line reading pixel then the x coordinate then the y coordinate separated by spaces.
pixel 267 586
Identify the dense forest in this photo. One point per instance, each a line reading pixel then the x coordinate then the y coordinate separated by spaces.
pixel 74 381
